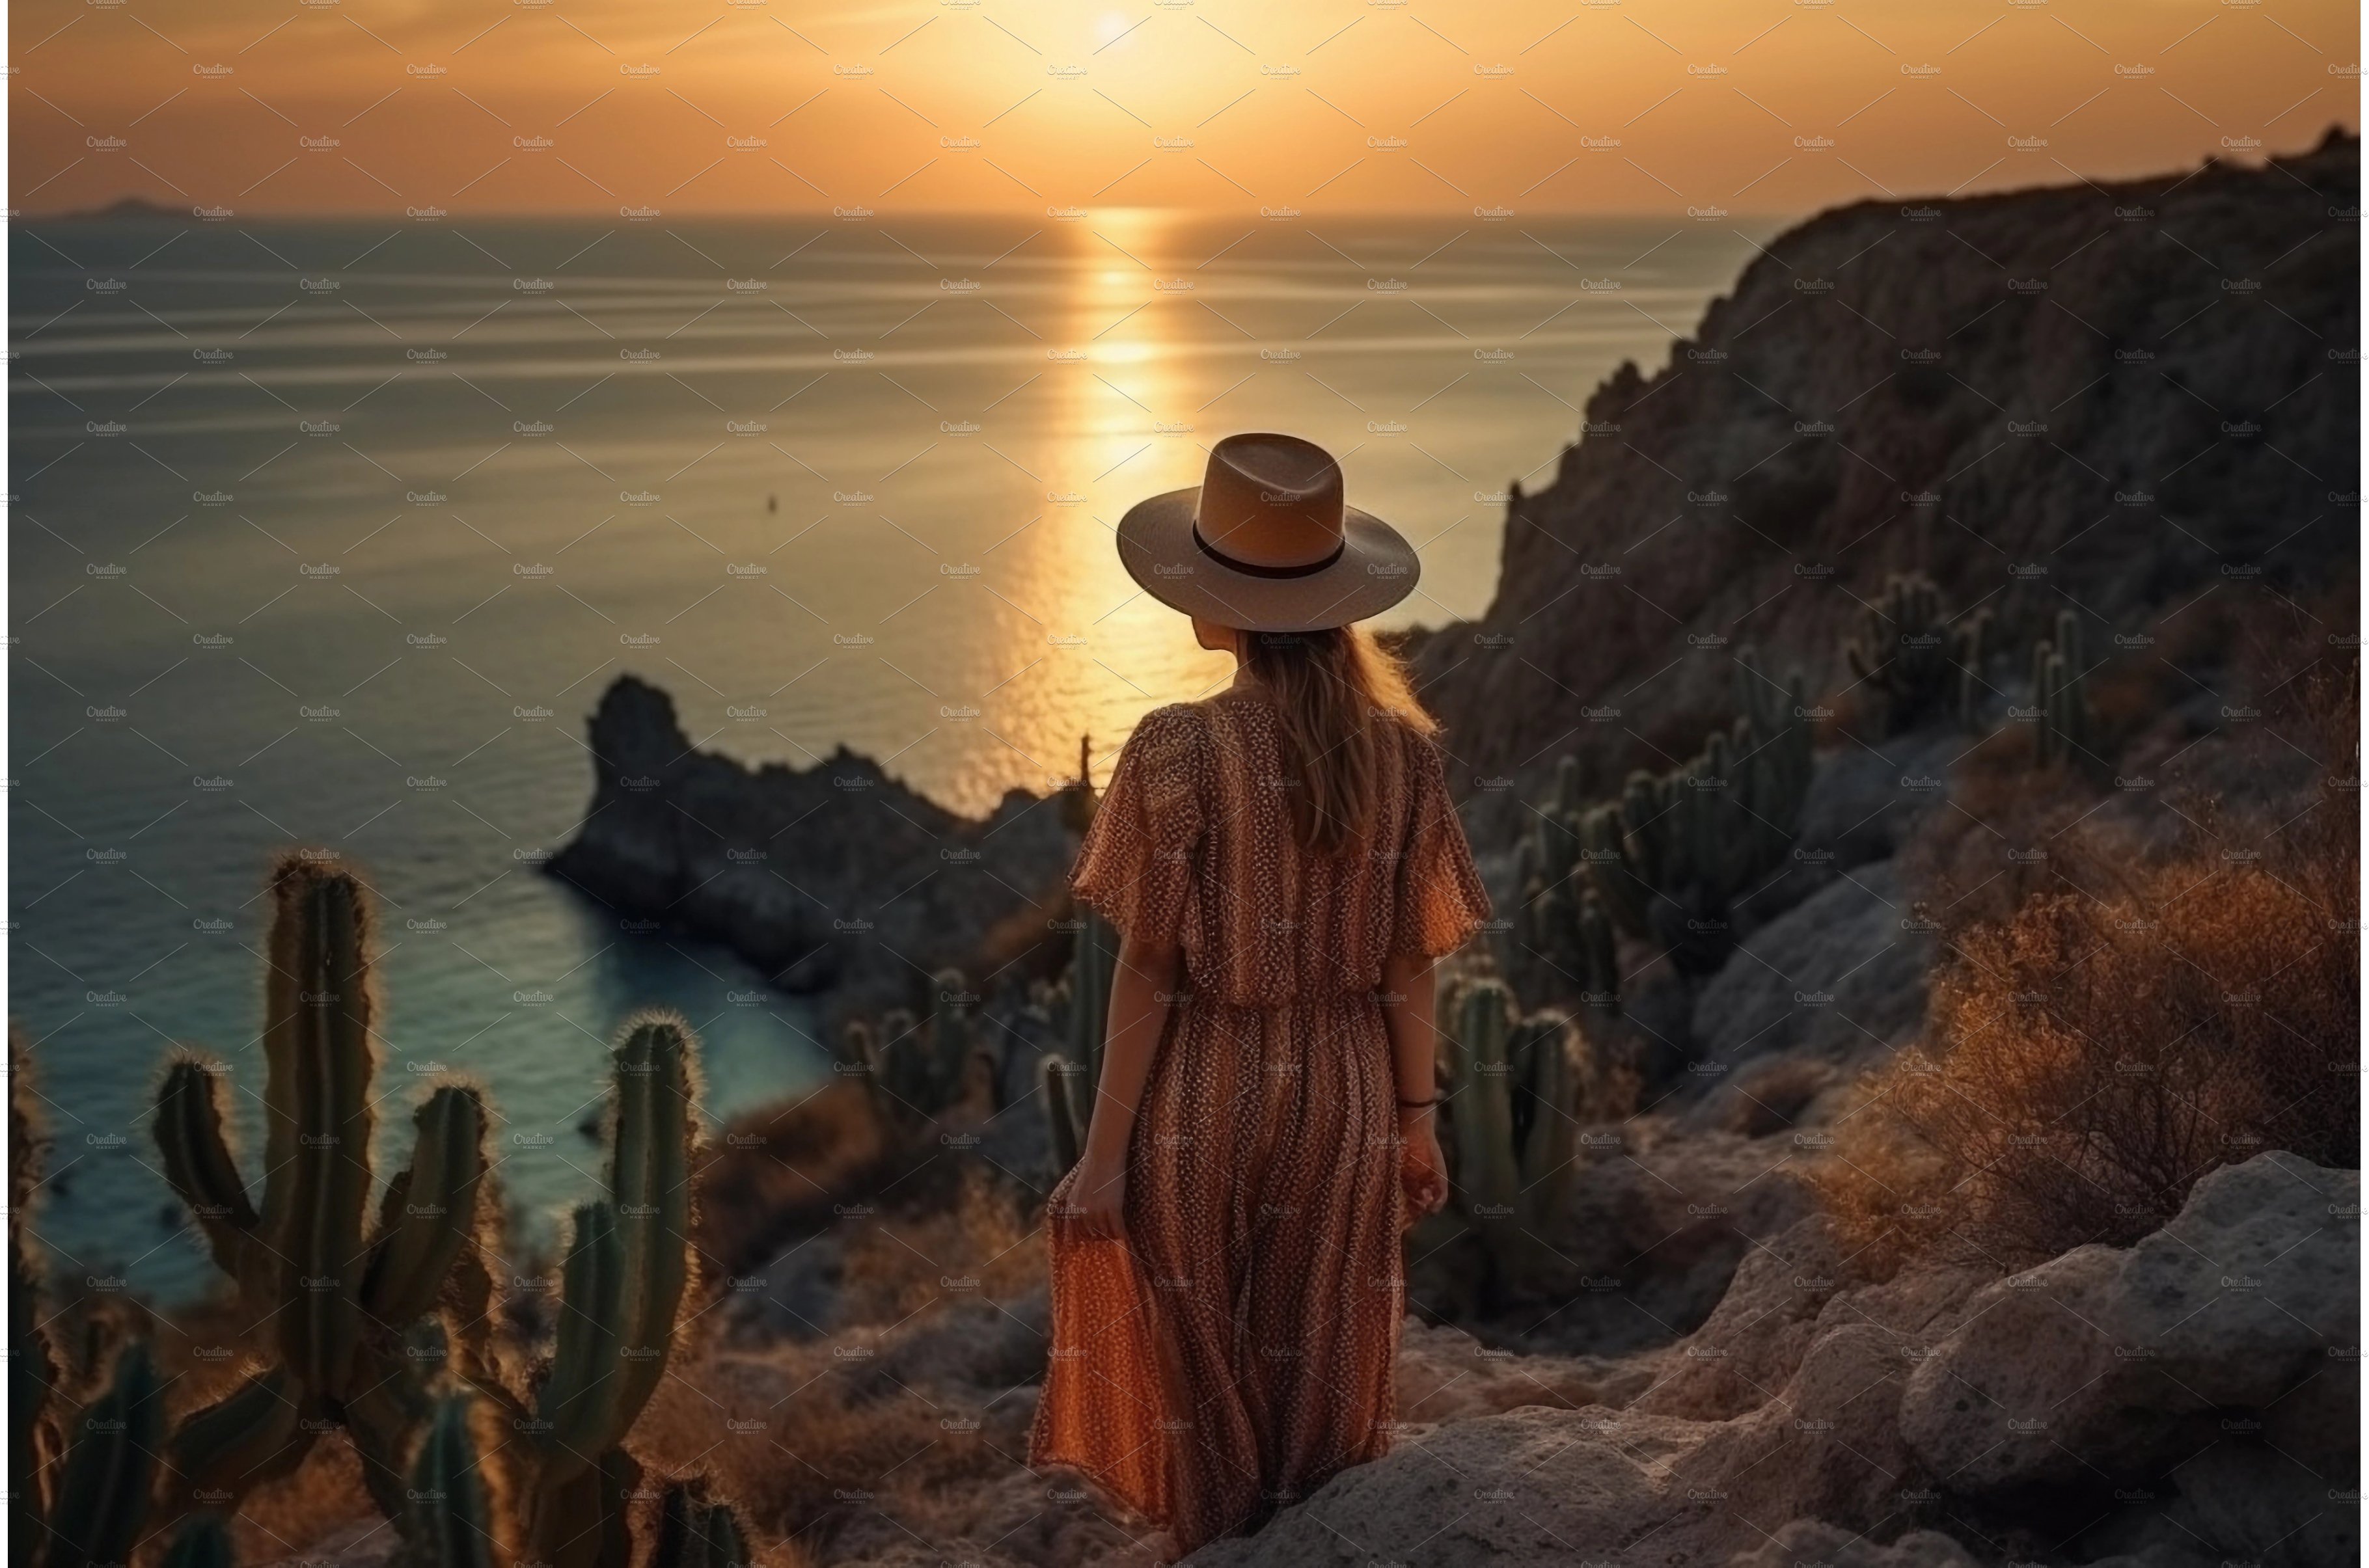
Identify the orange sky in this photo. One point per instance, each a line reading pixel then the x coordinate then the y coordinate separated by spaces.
pixel 753 106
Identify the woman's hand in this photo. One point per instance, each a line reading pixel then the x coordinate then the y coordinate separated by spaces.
pixel 1095 1204
pixel 1423 1169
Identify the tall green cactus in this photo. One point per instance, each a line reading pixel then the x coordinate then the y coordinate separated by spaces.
pixel 695 1532
pixel 386 1330
pixel 1071 1081
pixel 455 1517
pixel 82 1483
pixel 2060 697
pixel 1558 920
pixel 1913 662
pixel 629 1262
pixel 1666 859
pixel 1510 1102
pixel 916 1066
pixel 627 1272
pixel 1623 898
pixel 103 1495
pixel 339 1295
pixel 1598 956
pixel 1773 753
pixel 1067 1108
pixel 1669 860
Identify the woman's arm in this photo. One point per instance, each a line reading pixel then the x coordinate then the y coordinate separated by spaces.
pixel 1409 985
pixel 1142 990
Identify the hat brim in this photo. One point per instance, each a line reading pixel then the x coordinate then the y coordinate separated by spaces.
pixel 1376 569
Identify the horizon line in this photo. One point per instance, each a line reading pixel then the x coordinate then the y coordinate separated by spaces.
pixel 858 212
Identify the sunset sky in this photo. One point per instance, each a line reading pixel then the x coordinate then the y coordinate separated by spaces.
pixel 473 107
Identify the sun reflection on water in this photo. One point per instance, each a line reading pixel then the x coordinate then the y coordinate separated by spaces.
pixel 1121 429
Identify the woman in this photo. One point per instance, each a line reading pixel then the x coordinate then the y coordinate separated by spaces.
pixel 1283 864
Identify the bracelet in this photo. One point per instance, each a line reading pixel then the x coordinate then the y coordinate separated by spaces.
pixel 1419 1105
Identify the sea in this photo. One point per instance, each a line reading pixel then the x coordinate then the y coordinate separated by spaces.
pixel 332 533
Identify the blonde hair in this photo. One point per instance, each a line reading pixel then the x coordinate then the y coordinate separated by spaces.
pixel 1339 697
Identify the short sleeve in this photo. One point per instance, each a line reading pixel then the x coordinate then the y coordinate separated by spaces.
pixel 1135 866
pixel 1440 900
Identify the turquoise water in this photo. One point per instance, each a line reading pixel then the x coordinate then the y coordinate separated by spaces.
pixel 333 533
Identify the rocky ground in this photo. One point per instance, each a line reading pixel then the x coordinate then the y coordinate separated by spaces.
pixel 2186 1401
pixel 2192 1400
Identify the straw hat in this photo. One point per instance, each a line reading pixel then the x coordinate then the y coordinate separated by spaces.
pixel 1264 542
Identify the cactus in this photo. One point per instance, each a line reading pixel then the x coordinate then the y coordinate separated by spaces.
pixel 627 1271
pixel 1622 898
pixel 1068 1080
pixel 1066 1108
pixel 1079 802
pixel 362 1321
pixel 696 1533
pixel 653 1132
pixel 1559 920
pixel 1094 964
pixel 1915 664
pixel 1071 1081
pixel 340 1301
pixel 1510 1101
pixel 1773 754
pixel 35 1438
pixel 2060 697
pixel 453 1512
pixel 101 1503
pixel 1678 849
pixel 82 1504
pixel 1598 960
pixel 1666 859
pixel 953 1036
pixel 918 1065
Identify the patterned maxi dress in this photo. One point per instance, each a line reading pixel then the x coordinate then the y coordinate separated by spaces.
pixel 1238 1348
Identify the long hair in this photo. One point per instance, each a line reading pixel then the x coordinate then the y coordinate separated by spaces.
pixel 1340 698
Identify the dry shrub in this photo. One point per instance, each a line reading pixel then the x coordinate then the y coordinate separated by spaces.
pixel 897 1265
pixel 1032 941
pixel 807 1437
pixel 1607 1082
pixel 1771 1098
pixel 783 1171
pixel 2010 833
pixel 2097 1056
pixel 293 1515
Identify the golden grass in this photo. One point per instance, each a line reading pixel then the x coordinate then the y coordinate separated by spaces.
pixel 897 1265
pixel 784 1171
pixel 813 1441
pixel 291 1517
pixel 1771 1098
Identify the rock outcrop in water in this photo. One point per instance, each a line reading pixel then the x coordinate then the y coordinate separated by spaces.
pixel 2100 398
pixel 831 876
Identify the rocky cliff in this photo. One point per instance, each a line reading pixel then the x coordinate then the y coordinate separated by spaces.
pixel 2106 399
pixel 831 876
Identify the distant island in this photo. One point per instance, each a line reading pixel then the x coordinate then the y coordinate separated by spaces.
pixel 129 209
